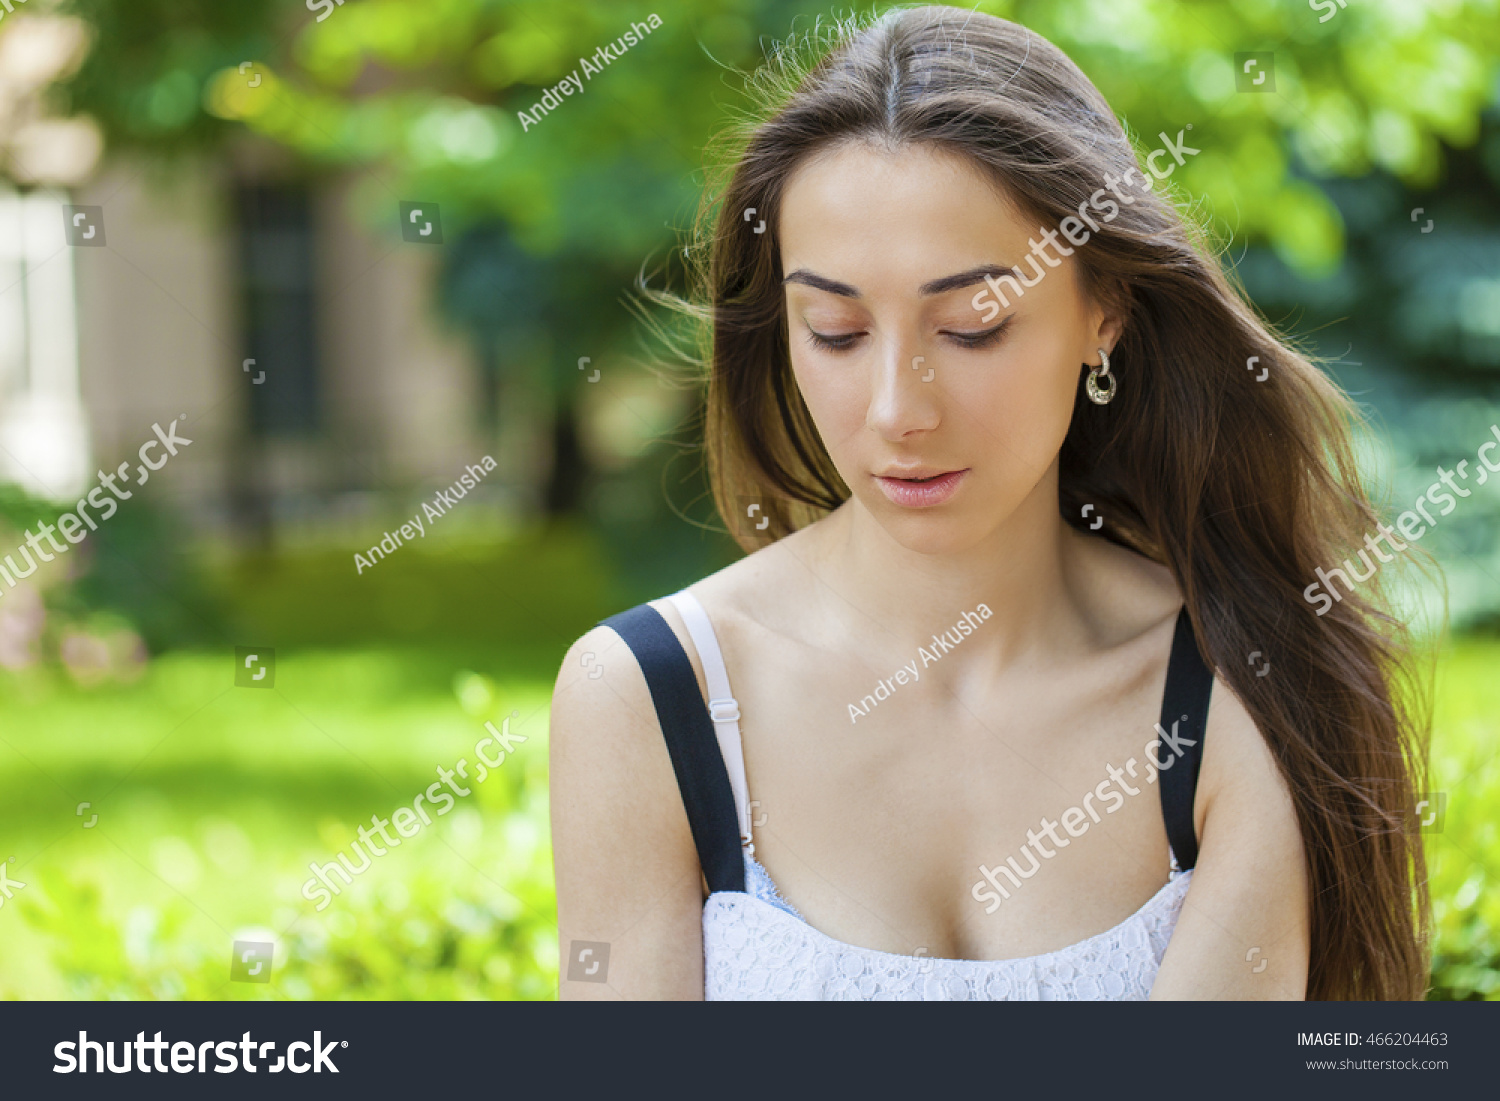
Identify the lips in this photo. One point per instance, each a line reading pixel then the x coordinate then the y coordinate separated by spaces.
pixel 921 487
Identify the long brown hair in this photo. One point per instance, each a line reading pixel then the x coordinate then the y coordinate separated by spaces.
pixel 1242 488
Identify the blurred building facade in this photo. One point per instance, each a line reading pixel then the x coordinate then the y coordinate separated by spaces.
pixel 303 349
pixel 241 293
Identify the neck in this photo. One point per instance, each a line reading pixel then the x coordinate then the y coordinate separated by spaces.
pixel 902 597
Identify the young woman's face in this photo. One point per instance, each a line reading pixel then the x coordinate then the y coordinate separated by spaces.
pixel 940 421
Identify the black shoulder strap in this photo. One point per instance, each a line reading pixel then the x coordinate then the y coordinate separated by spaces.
pixel 691 741
pixel 1184 717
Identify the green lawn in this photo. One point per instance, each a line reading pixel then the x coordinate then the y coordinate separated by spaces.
pixel 211 801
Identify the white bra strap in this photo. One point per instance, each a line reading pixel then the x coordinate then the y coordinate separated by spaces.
pixel 722 708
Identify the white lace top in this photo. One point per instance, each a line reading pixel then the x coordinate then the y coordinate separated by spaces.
pixel 756 946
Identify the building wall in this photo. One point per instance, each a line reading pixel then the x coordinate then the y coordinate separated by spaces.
pixel 160 334
pixel 158 328
pixel 402 388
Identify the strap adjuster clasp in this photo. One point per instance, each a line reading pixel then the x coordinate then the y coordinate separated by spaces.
pixel 725 710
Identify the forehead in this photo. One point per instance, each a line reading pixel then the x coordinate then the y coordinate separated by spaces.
pixel 912 209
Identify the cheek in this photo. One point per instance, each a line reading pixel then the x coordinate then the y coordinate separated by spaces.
pixel 1028 408
pixel 1018 414
pixel 838 397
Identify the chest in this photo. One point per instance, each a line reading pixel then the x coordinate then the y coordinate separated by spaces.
pixel 886 808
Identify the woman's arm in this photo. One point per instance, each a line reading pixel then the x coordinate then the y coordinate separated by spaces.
pixel 1243 930
pixel 627 870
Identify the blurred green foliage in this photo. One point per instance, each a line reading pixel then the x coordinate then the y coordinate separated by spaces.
pixel 148 902
pixel 211 802
pixel 1379 110
pixel 1464 859
pixel 431 88
pixel 528 594
pixel 431 940
pixel 97 608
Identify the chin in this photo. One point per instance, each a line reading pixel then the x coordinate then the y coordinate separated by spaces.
pixel 935 531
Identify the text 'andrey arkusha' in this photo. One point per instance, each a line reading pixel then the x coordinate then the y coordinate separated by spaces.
pixel 439 506
pixel 552 98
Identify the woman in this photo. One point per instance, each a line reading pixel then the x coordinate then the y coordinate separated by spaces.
pixel 1018 695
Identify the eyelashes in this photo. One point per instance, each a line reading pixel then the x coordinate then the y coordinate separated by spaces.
pixel 971 341
pixel 831 343
pixel 983 339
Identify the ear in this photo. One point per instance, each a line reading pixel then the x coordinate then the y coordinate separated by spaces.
pixel 1106 324
pixel 1108 333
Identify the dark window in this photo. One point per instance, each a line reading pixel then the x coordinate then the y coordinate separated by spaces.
pixel 276 265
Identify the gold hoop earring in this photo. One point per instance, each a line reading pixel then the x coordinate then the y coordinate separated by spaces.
pixel 1096 395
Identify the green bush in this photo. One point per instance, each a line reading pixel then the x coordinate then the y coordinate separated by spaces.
pixel 438 940
pixel 1464 859
pixel 213 800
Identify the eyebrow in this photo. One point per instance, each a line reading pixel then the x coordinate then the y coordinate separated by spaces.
pixel 936 286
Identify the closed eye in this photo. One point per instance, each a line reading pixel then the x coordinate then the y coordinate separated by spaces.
pixel 833 343
pixel 983 339
pixel 980 339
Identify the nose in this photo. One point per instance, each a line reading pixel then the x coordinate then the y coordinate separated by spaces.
pixel 901 403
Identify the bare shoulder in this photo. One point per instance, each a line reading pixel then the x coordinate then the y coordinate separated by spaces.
pixel 601 699
pixel 763 596
pixel 1240 777
pixel 1245 929
pixel 1126 597
pixel 627 870
pixel 784 568
pixel 602 710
